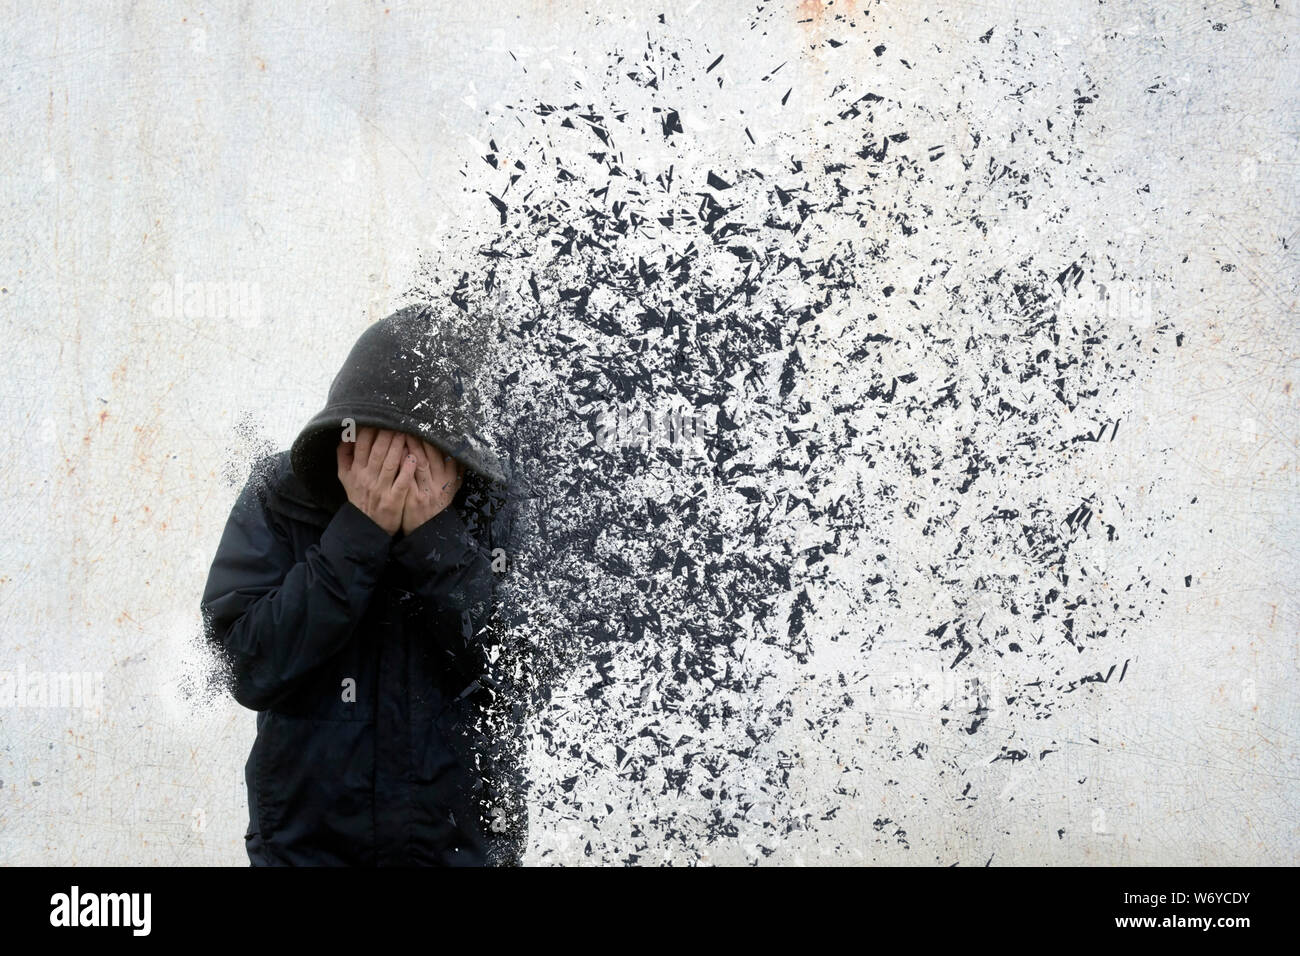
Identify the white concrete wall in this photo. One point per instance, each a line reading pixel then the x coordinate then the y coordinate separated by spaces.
pixel 310 153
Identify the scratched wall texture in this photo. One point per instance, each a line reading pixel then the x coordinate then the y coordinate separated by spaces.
pixel 982 548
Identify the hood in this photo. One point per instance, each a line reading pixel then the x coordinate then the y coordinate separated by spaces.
pixel 416 371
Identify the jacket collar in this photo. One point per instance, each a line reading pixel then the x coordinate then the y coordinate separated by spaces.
pixel 289 496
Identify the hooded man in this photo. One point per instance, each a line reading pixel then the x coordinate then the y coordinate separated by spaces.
pixel 352 598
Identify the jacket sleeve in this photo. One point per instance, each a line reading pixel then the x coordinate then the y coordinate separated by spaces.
pixel 275 618
pixel 450 576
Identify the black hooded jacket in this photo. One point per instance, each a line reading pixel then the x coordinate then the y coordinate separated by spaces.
pixel 368 656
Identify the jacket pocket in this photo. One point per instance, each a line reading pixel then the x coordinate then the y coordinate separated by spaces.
pixel 315 780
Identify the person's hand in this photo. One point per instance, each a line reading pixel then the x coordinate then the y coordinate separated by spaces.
pixel 375 475
pixel 437 479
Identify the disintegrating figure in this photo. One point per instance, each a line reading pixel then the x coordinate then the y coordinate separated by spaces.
pixel 353 600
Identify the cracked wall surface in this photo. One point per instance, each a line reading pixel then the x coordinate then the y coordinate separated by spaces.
pixel 983 548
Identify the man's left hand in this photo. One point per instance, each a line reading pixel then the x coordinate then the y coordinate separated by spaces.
pixel 437 479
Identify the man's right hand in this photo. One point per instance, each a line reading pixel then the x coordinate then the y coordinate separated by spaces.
pixel 376 475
